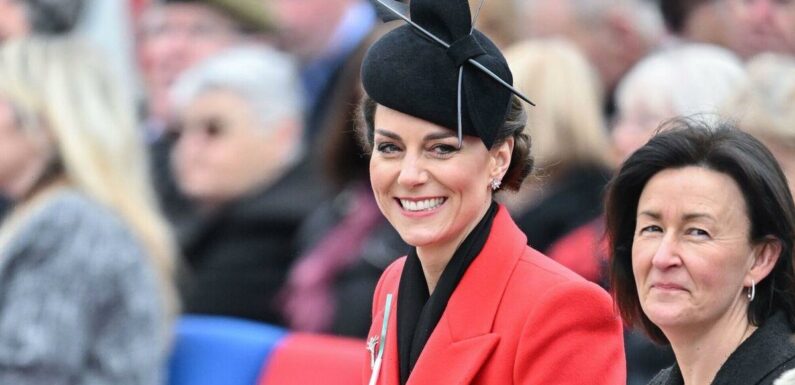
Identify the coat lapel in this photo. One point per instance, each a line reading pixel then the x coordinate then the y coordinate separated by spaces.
pixel 463 340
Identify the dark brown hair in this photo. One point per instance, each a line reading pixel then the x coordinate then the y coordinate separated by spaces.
pixel 515 121
pixel 721 147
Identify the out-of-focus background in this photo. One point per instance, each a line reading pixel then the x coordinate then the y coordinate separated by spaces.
pixel 185 200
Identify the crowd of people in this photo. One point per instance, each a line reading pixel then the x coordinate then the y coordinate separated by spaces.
pixel 274 164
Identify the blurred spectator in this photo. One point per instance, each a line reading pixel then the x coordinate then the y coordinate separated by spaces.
pixel 176 34
pixel 173 36
pixel 498 20
pixel 323 35
pixel 612 34
pixel 701 21
pixel 346 243
pixel 687 79
pixel 760 26
pixel 20 18
pixel 86 259
pixel 766 108
pixel 238 159
pixel 570 142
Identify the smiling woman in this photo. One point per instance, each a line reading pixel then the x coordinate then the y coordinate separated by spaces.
pixel 471 303
pixel 701 221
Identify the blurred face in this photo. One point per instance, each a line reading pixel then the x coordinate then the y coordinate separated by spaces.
pixel 21 155
pixel 307 25
pixel 635 125
pixel 13 19
pixel 611 50
pixel 785 156
pixel 431 192
pixel 174 37
pixel 223 152
pixel 691 254
pixel 762 25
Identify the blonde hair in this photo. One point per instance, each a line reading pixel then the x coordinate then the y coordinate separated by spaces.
pixel 766 106
pixel 62 87
pixel 567 127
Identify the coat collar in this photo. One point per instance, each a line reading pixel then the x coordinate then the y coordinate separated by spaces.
pixel 463 340
pixel 755 360
pixel 760 355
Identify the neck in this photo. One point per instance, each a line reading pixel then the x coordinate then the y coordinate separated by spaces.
pixel 701 352
pixel 434 257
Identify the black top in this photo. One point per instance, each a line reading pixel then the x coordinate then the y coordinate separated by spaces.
pixel 238 256
pixel 572 202
pixel 418 313
pixel 760 360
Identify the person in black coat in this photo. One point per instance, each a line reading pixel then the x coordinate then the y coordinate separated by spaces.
pixel 238 158
pixel 700 223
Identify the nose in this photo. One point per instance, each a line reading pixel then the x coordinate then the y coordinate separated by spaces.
pixel 760 10
pixel 412 172
pixel 667 254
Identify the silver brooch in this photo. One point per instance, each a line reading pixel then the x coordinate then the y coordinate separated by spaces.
pixel 372 343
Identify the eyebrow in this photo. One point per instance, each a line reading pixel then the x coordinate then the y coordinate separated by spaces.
pixel 432 136
pixel 688 217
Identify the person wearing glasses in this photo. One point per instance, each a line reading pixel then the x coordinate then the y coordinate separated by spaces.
pixel 238 158
pixel 471 303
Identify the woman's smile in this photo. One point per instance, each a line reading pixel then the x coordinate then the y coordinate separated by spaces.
pixel 414 207
pixel 429 188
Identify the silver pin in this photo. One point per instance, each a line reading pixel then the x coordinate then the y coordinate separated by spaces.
pixel 372 343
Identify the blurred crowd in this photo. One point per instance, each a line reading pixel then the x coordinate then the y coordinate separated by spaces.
pixel 199 156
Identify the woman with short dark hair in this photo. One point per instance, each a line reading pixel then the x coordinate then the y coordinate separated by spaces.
pixel 700 222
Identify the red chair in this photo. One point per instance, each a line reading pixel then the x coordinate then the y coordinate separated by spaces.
pixel 302 359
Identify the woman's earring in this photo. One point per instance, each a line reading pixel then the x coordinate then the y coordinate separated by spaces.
pixel 495 184
pixel 752 291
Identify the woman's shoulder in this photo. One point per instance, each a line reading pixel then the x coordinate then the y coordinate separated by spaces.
pixel 67 208
pixel 69 223
pixel 538 270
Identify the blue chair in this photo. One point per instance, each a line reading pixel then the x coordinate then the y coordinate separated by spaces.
pixel 212 350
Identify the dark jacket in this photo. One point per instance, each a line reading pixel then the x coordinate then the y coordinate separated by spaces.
pixel 239 256
pixel 760 360
pixel 573 201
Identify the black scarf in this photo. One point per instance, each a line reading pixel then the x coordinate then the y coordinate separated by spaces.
pixel 417 311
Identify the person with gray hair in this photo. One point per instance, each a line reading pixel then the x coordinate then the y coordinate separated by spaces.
pixel 687 79
pixel 238 158
pixel 766 107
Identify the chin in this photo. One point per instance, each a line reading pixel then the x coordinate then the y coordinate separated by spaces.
pixel 666 315
pixel 418 239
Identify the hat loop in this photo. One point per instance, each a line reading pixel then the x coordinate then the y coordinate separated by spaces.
pixel 463 49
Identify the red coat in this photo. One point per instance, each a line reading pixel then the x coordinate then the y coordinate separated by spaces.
pixel 516 317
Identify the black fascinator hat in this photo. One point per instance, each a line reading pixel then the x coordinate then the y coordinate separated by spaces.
pixel 438 68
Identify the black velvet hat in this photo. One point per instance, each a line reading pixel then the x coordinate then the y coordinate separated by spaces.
pixel 440 69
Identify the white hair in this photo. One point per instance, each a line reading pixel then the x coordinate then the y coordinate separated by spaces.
pixel 643 15
pixel 766 107
pixel 267 79
pixel 684 80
